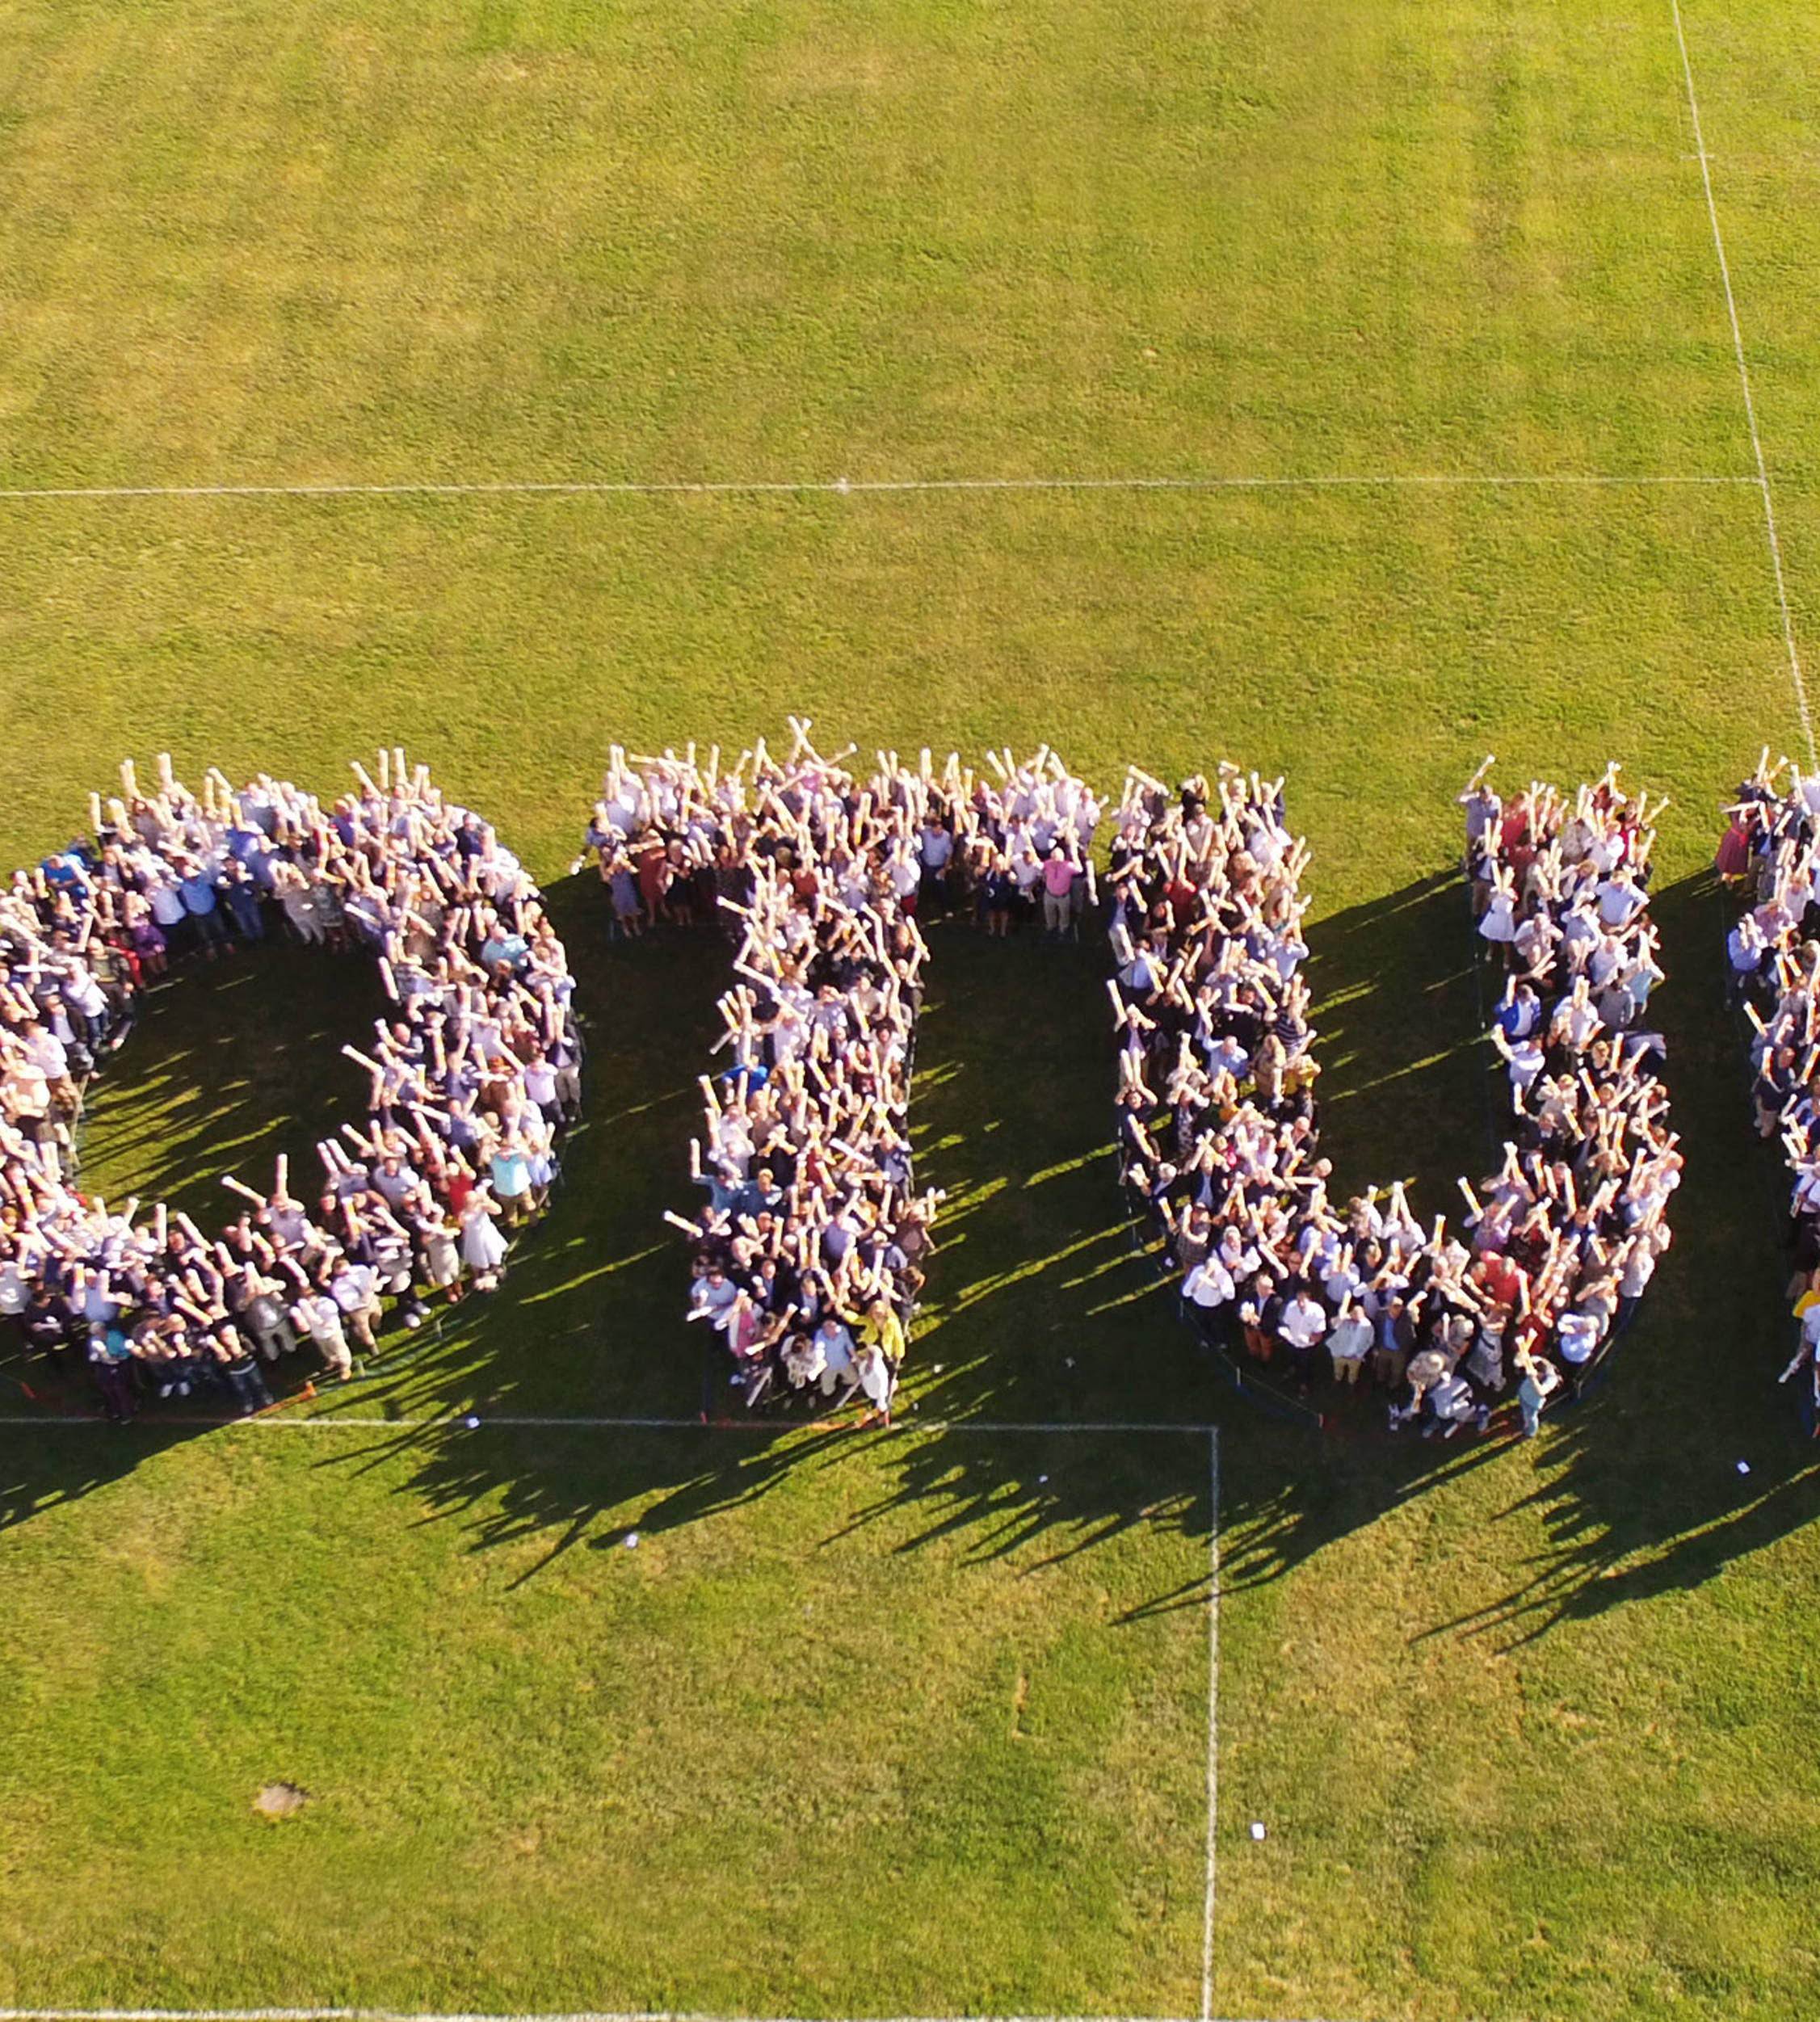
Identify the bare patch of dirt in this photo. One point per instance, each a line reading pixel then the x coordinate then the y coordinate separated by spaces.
pixel 280 1800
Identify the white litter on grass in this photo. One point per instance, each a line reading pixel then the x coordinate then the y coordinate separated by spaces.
pixel 1744 1467
pixel 1040 1479
pixel 631 1539
pixel 471 1423
pixel 1257 1828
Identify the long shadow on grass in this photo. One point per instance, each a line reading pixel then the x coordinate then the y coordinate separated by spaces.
pixel 1042 1313
pixel 233 1063
pixel 1690 1457
pixel 1047 1305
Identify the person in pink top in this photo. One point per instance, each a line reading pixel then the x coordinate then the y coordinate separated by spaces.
pixel 1059 873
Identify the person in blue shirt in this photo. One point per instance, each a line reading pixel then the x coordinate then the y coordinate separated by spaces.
pixel 242 896
pixel 725 1188
pixel 66 873
pixel 1519 1012
pixel 197 889
pixel 501 945
pixel 509 1170
pixel 111 1360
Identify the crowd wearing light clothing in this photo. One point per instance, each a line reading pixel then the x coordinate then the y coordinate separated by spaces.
pixel 1219 1128
pixel 808 1256
pixel 1770 858
pixel 472 1077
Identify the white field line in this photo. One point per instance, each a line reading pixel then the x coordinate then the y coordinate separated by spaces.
pixel 844 487
pixel 396 2015
pixel 1213 1718
pixel 457 1421
pixel 1744 384
pixel 577 2015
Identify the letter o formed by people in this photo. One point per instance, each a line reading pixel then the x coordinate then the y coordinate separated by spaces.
pixel 473 1075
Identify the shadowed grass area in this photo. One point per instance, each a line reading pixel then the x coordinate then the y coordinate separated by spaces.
pixel 231 1064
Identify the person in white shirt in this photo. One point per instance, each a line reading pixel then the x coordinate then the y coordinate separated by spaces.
pixel 1208 1286
pixel 1575 1023
pixel 1449 1404
pixel 354 1289
pixel 168 908
pixel 1577 1335
pixel 1302 1326
pixel 1349 1342
pixel 1526 1060
pixel 317 1314
pixel 1619 901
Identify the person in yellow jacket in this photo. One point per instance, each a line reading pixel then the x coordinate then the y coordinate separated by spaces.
pixel 880 1355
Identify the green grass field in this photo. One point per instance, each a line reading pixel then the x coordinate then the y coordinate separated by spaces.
pixel 914 1724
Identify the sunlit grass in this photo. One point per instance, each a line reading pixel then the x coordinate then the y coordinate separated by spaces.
pixel 1525 1727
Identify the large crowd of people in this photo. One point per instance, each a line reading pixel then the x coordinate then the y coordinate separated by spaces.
pixel 472 1077
pixel 808 1253
pixel 1770 857
pixel 1219 1125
